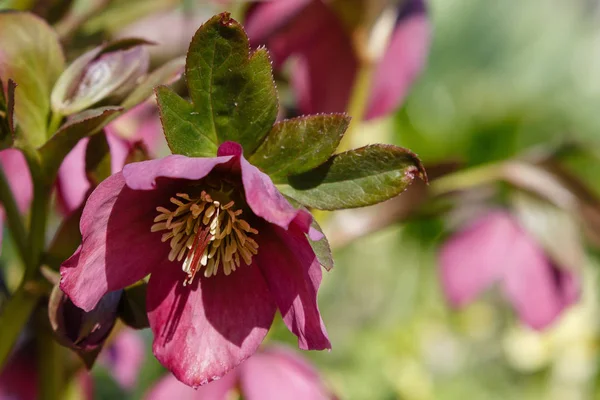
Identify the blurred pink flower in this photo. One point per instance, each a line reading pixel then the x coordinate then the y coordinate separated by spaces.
pixel 139 124
pixel 495 249
pixel 124 358
pixel 326 66
pixel 214 214
pixel 272 374
pixel 17 173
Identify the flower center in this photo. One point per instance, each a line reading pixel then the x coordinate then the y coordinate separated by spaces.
pixel 207 233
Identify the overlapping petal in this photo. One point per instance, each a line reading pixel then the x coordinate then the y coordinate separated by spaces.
pixel 117 248
pixel 203 331
pixel 496 249
pixel 293 275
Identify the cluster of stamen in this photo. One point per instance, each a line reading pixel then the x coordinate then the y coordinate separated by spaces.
pixel 207 233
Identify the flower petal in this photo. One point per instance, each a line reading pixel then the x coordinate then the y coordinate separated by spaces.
pixel 278 373
pixel 17 172
pixel 403 60
pixel 293 274
pixel 265 200
pixel 169 388
pixel 143 175
pixel 538 290
pixel 473 259
pixel 125 357
pixel 118 248
pixel 72 183
pixel 203 331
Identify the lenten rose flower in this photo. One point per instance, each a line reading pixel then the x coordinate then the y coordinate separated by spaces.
pixel 271 374
pixel 223 248
pixel 496 249
pixel 325 62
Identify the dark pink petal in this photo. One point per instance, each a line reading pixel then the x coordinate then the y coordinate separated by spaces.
pixel 143 175
pixel 169 388
pixel 124 357
pixel 278 373
pixel 474 258
pixel 265 200
pixel 118 248
pixel 324 73
pixel 17 172
pixel 403 60
pixel 538 291
pixel 203 331
pixel 293 274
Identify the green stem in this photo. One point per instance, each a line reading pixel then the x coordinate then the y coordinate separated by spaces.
pixel 13 216
pixel 51 367
pixel 14 316
pixel 466 179
pixel 55 121
pixel 359 100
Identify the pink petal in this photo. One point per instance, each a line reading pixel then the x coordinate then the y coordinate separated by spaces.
pixel 265 200
pixel 264 19
pixel 473 259
pixel 278 373
pixel 538 291
pixel 203 331
pixel 125 357
pixel 119 150
pixel 324 73
pixel 17 172
pixel 403 60
pixel 72 183
pixel 169 388
pixel 118 248
pixel 293 275
pixel 143 175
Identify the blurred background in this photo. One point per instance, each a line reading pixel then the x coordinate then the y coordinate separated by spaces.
pixel 502 82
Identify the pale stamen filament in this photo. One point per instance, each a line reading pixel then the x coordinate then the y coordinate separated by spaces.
pixel 205 233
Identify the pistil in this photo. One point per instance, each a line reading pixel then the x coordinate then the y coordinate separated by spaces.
pixel 205 233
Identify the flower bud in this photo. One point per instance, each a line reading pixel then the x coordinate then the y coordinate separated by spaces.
pixel 111 70
pixel 84 332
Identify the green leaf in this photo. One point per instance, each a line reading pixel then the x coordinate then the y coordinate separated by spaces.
pixel 81 125
pixel 232 91
pixel 182 126
pixel 97 159
pixel 321 248
pixel 33 58
pixel 356 178
pixel 132 308
pixel 300 144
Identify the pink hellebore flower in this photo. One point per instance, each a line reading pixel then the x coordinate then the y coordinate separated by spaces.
pixel 272 374
pixel 16 171
pixel 326 66
pixel 496 249
pixel 223 248
pixel 139 124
